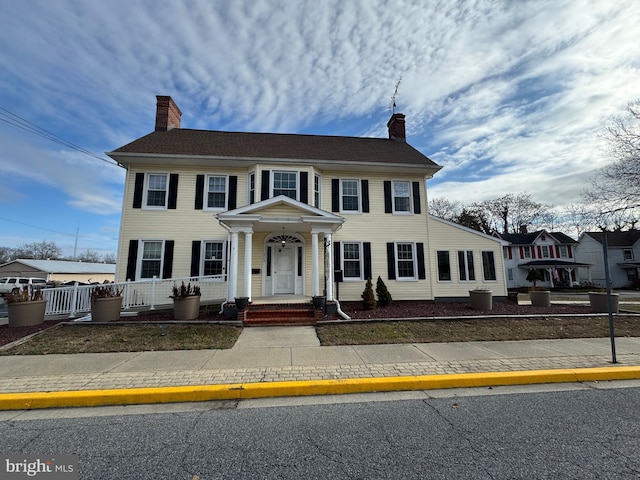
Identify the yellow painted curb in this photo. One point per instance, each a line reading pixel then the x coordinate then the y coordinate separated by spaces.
pixel 201 393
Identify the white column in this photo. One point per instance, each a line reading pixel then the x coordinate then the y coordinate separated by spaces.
pixel 315 286
pixel 248 240
pixel 232 274
pixel 328 255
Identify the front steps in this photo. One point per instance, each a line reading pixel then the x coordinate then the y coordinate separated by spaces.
pixel 280 314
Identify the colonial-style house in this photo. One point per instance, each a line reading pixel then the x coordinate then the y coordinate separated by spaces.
pixel 553 253
pixel 291 215
pixel 623 256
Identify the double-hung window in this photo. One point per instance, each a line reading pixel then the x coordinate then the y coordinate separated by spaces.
pixel 285 183
pixel 151 258
pixel 213 258
pixel 444 266
pixel 545 251
pixel 406 261
pixel 216 192
pixel 352 260
pixel 349 195
pixel 564 251
pixel 401 197
pixel 488 266
pixel 156 190
pixel 317 185
pixel 252 188
pixel 527 252
pixel 627 254
pixel 466 268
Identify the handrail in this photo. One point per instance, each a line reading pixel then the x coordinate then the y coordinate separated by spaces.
pixel 76 299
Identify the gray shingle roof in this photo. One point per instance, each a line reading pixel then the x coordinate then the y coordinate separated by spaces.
pixel 617 239
pixel 180 141
pixel 64 266
pixel 528 238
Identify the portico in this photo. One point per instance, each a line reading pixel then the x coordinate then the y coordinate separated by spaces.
pixel 274 235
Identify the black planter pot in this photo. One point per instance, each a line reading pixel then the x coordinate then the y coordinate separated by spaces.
pixel 319 301
pixel 242 303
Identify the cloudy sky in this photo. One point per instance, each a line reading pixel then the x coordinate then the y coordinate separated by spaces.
pixel 508 96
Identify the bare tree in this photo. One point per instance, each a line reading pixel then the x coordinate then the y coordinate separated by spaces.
pixel 109 258
pixel 7 254
pixel 616 190
pixel 90 256
pixel 43 250
pixel 443 208
pixel 507 214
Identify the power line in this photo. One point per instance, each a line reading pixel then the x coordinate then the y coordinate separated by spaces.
pixel 19 122
pixel 55 231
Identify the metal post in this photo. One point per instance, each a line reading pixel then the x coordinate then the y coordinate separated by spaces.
pixel 605 248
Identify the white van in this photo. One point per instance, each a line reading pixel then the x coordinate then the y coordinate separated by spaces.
pixel 9 283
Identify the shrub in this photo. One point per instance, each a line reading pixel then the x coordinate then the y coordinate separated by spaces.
pixel 384 297
pixel 184 291
pixel 368 297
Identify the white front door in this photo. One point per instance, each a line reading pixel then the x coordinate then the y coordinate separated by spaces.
pixel 284 269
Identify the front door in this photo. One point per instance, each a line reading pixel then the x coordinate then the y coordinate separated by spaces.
pixel 284 269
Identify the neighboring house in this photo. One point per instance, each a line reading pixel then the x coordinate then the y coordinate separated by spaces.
pixel 283 214
pixel 59 271
pixel 553 253
pixel 623 255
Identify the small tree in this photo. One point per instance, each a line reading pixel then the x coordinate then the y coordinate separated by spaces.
pixel 368 297
pixel 534 276
pixel 384 297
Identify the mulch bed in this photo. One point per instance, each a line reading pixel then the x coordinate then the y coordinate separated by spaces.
pixel 397 310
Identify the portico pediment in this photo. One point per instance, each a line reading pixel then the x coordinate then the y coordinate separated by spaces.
pixel 280 211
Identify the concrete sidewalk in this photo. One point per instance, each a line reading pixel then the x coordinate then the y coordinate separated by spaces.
pixel 281 361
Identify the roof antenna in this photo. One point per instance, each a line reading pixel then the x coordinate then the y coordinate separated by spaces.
pixel 392 107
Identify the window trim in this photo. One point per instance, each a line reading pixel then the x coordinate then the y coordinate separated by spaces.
pixel 360 261
pixel 526 249
pixel 465 257
pixel 140 259
pixel 317 190
pixel 624 254
pixel 545 249
pixel 145 191
pixel 414 255
pixel 484 271
pixel 251 190
pixel 565 253
pixel 438 252
pixel 205 193
pixel 358 195
pixel 273 181
pixel 203 249
pixel 393 198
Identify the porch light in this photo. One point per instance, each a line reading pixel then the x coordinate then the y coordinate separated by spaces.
pixel 283 239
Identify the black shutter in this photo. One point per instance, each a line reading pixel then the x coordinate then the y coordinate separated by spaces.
pixel 388 208
pixel 167 268
pixel 336 257
pixel 173 191
pixel 304 187
pixel 416 198
pixel 264 194
pixel 391 261
pixel 137 191
pixel 366 251
pixel 195 258
pixel 364 186
pixel 132 260
pixel 335 195
pixel 422 274
pixel 199 192
pixel 233 192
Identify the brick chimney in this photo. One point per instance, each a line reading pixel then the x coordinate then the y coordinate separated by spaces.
pixel 167 114
pixel 396 127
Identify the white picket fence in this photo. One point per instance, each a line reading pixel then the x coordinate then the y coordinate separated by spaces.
pixel 75 300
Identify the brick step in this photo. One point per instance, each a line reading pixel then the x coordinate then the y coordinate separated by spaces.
pixel 275 322
pixel 251 314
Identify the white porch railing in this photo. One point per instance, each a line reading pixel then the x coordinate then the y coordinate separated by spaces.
pixel 76 299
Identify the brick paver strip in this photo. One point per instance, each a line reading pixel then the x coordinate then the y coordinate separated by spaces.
pixel 52 383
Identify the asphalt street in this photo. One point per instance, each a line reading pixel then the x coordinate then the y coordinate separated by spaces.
pixel 588 433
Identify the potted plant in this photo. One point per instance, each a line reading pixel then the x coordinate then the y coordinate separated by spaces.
pixel 539 297
pixel 25 306
pixel 106 303
pixel 598 301
pixel 186 301
pixel 481 299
